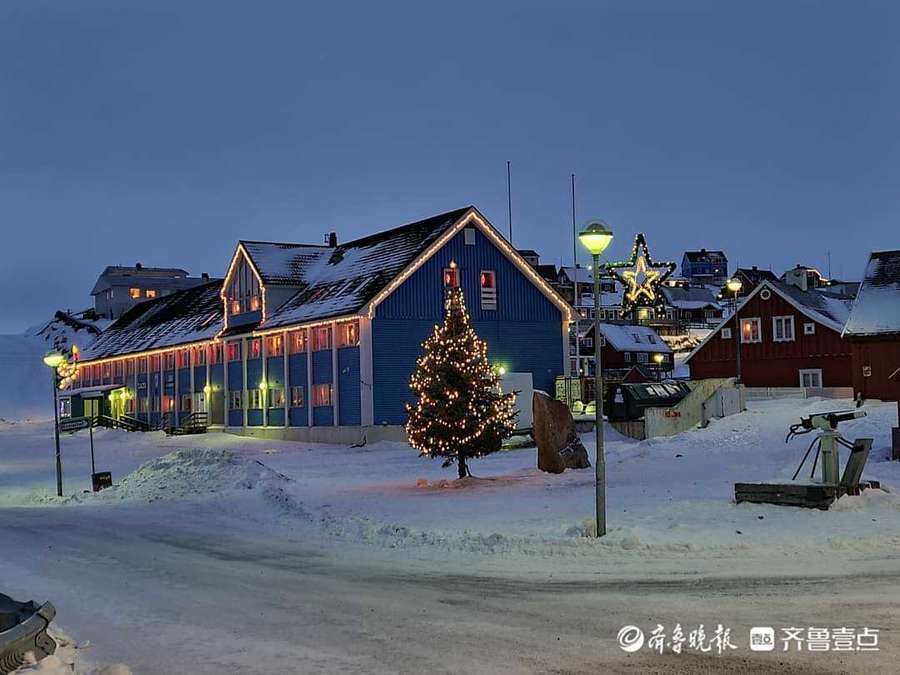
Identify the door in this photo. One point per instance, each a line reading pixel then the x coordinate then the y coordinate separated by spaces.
pixel 811 378
pixel 91 407
pixel 200 402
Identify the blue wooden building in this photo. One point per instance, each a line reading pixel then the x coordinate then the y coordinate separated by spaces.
pixel 317 342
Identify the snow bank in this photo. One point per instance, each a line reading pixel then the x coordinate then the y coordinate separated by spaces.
pixel 68 660
pixel 191 474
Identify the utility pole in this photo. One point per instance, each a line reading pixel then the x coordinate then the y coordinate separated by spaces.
pixel 575 302
pixel 509 199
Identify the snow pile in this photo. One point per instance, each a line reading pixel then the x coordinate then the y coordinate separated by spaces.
pixel 193 473
pixel 682 343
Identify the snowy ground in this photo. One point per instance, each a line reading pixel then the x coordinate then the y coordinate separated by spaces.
pixel 244 555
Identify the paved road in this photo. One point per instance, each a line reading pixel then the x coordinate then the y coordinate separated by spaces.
pixel 190 599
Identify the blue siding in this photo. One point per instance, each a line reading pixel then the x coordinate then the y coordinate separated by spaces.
pixel 275 371
pixel 299 417
pixel 321 363
pixel 254 373
pixel 217 376
pixel 184 381
pixel 348 386
pixel 169 380
pixel 254 417
pixel 235 417
pixel 323 416
pixel 199 378
pixel 524 333
pixel 276 417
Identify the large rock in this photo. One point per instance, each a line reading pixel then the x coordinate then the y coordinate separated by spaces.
pixel 554 432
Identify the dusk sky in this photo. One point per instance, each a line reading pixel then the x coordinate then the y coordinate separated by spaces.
pixel 163 132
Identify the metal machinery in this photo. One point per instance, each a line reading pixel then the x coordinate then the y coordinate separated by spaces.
pixel 827 440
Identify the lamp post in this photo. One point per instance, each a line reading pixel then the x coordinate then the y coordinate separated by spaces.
pixel 596 237
pixel 734 285
pixel 52 360
pixel 658 359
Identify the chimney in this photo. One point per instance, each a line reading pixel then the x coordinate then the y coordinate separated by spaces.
pixel 138 266
pixel 755 268
pixel 204 276
pixel 331 239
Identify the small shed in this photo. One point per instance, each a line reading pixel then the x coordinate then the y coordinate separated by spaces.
pixel 628 401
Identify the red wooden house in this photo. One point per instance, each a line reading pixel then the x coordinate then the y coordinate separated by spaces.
pixel 788 338
pixel 873 329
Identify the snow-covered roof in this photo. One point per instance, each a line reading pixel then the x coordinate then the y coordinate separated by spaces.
pixel 624 338
pixel 343 279
pixel 282 264
pixel 163 278
pixel 703 255
pixel 584 275
pixel 876 310
pixel 689 298
pixel 827 309
pixel 191 315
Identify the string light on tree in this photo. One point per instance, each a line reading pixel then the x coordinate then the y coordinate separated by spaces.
pixel 460 412
pixel 641 276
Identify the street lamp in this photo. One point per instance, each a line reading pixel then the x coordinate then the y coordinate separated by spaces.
pixel 734 285
pixel 596 237
pixel 52 360
pixel 658 359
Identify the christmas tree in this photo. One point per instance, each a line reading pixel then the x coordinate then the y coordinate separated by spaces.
pixel 460 412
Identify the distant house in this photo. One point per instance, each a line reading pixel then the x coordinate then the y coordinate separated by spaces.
pixel 547 272
pixel 692 305
pixel 873 329
pixel 705 267
pixel 314 342
pixel 805 278
pixel 788 338
pixel 118 288
pixel 751 277
pixel 624 346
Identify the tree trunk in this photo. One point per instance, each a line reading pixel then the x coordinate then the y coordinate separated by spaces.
pixel 461 465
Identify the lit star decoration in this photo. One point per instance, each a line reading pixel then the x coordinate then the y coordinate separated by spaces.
pixel 641 276
pixel 460 411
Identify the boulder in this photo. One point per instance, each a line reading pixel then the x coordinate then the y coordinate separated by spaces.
pixel 554 432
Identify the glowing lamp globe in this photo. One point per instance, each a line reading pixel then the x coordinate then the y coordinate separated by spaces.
pixel 207 389
pixel 53 358
pixel 263 385
pixel 596 237
pixel 658 358
pixel 734 285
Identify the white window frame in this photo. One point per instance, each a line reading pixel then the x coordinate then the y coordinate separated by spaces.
pixel 298 394
pixel 751 319
pixel 809 328
pixel 488 295
pixel 626 356
pixel 786 320
pixel 726 333
pixel 469 236
pixel 811 371
pixel 587 343
pixel 453 274
pixel 643 357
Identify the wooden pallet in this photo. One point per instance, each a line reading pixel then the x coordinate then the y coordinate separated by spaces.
pixel 789 494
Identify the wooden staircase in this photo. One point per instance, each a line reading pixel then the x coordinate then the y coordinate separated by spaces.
pixel 196 423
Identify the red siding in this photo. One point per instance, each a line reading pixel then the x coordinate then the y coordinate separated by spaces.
pixel 775 364
pixel 882 356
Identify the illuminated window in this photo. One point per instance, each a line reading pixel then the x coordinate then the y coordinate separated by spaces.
pixel 276 397
pixel 297 341
pixel 274 346
pixel 215 352
pixel 183 358
pixel 254 348
pixel 135 293
pixel 187 402
pixel 297 397
pixel 199 356
pixel 154 362
pixel 488 280
pixel 321 395
pixel 750 331
pixel 234 351
pixel 348 334
pixel 451 277
pixel 321 338
pixel 254 399
pixel 151 293
pixel 129 367
pixel 107 370
pixel 169 360
pixel 142 365
pixel 117 369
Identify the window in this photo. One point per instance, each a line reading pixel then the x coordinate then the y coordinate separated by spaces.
pixel 809 328
pixel 297 341
pixel 469 236
pixel 187 402
pixel 811 377
pixel 642 357
pixel 783 328
pixel 183 358
pixel 750 331
pixel 321 395
pixel 235 401
pixel 117 369
pixel 254 348
pixel 168 403
pixel 726 333
pixel 348 334
pixel 154 363
pixel 135 293
pixel 297 397
pixel 150 293
pixel 626 357
pixel 142 365
pixel 321 338
pixel 588 343
pixel 234 351
pixel 488 282
pixel 243 290
pixel 276 398
pixel 129 367
pixel 215 352
pixel 107 370
pixel 198 356
pixel 254 399
pixel 274 346
pixel 451 276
